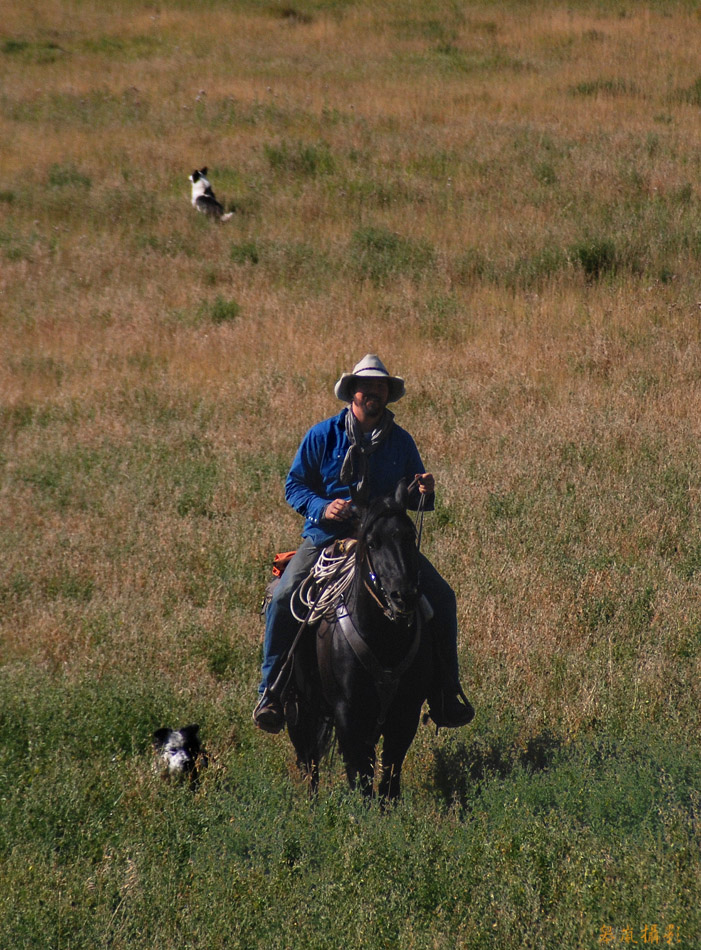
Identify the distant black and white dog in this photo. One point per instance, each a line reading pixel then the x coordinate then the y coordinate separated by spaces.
pixel 179 753
pixel 203 198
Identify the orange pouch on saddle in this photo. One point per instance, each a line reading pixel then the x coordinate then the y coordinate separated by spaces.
pixel 280 562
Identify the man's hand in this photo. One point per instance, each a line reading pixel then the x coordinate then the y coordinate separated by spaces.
pixel 426 483
pixel 339 510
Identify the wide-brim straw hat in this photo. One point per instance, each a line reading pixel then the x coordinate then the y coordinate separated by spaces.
pixel 370 366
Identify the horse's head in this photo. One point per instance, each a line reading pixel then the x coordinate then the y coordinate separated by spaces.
pixel 388 555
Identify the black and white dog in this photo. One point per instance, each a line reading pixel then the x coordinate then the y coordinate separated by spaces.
pixel 179 753
pixel 203 198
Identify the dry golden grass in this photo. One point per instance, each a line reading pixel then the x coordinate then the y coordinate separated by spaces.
pixel 549 404
pixel 502 200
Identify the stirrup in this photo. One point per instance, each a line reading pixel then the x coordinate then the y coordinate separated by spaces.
pixel 452 709
pixel 268 714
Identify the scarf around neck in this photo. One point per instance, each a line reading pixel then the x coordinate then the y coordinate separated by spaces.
pixel 355 465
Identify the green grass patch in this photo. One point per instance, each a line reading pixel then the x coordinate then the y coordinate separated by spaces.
pixel 604 87
pixel 62 176
pixel 691 95
pixel 596 256
pixel 379 255
pixel 130 48
pixel 32 51
pixel 16 246
pixel 298 265
pixel 306 160
pixel 68 479
pixel 519 840
pixel 245 253
pixel 221 310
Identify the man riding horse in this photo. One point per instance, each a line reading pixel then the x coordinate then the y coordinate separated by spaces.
pixel 361 451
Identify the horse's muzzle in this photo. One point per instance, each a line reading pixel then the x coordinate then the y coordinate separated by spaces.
pixel 403 603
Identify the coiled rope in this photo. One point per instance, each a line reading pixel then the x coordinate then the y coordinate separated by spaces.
pixel 325 584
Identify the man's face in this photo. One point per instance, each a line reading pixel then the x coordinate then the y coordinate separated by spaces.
pixel 370 399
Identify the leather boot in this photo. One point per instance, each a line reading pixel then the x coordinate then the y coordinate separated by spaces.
pixel 449 707
pixel 268 714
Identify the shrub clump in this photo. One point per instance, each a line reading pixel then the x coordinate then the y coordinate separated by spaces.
pixel 221 310
pixel 596 257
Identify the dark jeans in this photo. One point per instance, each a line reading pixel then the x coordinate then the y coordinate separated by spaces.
pixel 281 627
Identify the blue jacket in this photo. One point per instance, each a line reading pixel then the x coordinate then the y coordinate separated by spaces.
pixel 314 479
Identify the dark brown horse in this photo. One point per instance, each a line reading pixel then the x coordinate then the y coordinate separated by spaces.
pixel 367 671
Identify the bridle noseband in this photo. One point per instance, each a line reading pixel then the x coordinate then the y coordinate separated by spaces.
pixel 374 587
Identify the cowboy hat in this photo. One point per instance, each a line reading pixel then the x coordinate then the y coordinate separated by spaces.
pixel 369 366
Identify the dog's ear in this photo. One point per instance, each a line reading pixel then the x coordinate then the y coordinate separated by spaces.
pixel 203 171
pixel 160 737
pixel 191 736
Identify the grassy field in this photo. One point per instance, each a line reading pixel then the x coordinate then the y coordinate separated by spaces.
pixel 502 200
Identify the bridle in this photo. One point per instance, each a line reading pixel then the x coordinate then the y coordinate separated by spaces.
pixel 373 584
pixel 374 587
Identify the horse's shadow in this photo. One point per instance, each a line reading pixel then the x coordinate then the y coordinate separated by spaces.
pixel 461 767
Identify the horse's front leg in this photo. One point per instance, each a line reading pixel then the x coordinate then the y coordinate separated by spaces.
pixel 358 752
pixel 303 726
pixel 310 772
pixel 399 733
pixel 360 769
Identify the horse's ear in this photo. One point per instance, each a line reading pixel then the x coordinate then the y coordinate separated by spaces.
pixel 401 495
pixel 359 506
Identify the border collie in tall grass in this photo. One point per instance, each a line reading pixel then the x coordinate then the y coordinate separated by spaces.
pixel 204 199
pixel 179 753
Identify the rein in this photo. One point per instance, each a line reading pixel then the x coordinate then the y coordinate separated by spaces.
pixel 420 511
pixel 386 609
